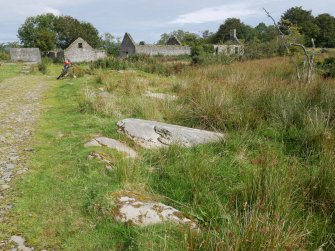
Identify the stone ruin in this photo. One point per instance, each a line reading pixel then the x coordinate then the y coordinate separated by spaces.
pixel 81 51
pixel 173 47
pixel 233 47
pixel 32 55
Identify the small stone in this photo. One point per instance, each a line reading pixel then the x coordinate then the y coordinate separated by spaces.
pixel 29 149
pixel 22 171
pixel 109 168
pixel 14 158
pixel 10 166
pixel 4 187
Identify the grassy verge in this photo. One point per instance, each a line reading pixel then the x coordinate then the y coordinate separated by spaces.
pixel 9 70
pixel 269 187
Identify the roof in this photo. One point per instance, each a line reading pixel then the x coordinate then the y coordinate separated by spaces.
pixel 173 40
pixel 127 35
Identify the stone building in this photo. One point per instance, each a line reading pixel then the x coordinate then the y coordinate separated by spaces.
pixel 25 55
pixel 81 51
pixel 171 48
pixel 232 47
pixel 229 49
pixel 57 55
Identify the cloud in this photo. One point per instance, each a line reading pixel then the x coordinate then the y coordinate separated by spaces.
pixel 54 11
pixel 214 14
pixel 14 9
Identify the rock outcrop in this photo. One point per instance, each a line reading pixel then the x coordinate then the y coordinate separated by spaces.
pixel 152 134
pixel 144 213
pixel 113 144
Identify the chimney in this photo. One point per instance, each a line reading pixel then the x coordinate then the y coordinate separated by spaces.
pixel 233 34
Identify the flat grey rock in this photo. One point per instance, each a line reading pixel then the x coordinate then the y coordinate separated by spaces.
pixel 113 144
pixel 145 213
pixel 152 134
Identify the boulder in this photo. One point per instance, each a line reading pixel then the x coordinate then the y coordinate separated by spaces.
pixel 144 213
pixel 152 134
pixel 113 144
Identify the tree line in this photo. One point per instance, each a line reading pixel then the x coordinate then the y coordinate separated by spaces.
pixel 49 32
pixel 295 20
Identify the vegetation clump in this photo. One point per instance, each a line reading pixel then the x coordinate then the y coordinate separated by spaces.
pixel 327 67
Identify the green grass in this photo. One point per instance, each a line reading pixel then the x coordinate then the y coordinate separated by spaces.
pixel 268 187
pixel 9 70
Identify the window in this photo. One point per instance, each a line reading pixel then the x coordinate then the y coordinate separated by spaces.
pixel 80 45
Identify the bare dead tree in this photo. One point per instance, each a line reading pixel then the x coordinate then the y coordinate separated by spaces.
pixel 309 58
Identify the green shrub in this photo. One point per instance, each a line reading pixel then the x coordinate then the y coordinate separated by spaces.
pixel 77 72
pixel 43 66
pixel 109 63
pixel 327 67
pixel 198 54
pixel 4 55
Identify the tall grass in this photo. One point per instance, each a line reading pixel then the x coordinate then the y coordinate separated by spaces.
pixel 268 187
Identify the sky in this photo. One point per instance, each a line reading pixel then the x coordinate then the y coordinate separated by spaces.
pixel 146 20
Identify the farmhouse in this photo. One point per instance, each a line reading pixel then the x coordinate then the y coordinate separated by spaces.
pixel 171 48
pixel 81 51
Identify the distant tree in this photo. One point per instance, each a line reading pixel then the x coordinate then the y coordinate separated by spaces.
pixel 68 29
pixel 244 32
pixel 7 46
pixel 304 20
pixel 39 31
pixel 326 36
pixel 48 31
pixel 111 44
pixel 261 29
pixel 185 37
pixel 206 34
pixel 45 39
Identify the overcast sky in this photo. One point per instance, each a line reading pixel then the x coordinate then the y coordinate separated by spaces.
pixel 147 19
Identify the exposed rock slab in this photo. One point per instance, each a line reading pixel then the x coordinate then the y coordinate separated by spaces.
pixel 162 96
pixel 145 213
pixel 152 134
pixel 113 144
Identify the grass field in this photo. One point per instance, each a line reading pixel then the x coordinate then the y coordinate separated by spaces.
pixel 9 70
pixel 270 186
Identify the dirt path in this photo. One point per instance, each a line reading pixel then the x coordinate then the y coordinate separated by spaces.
pixel 19 108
